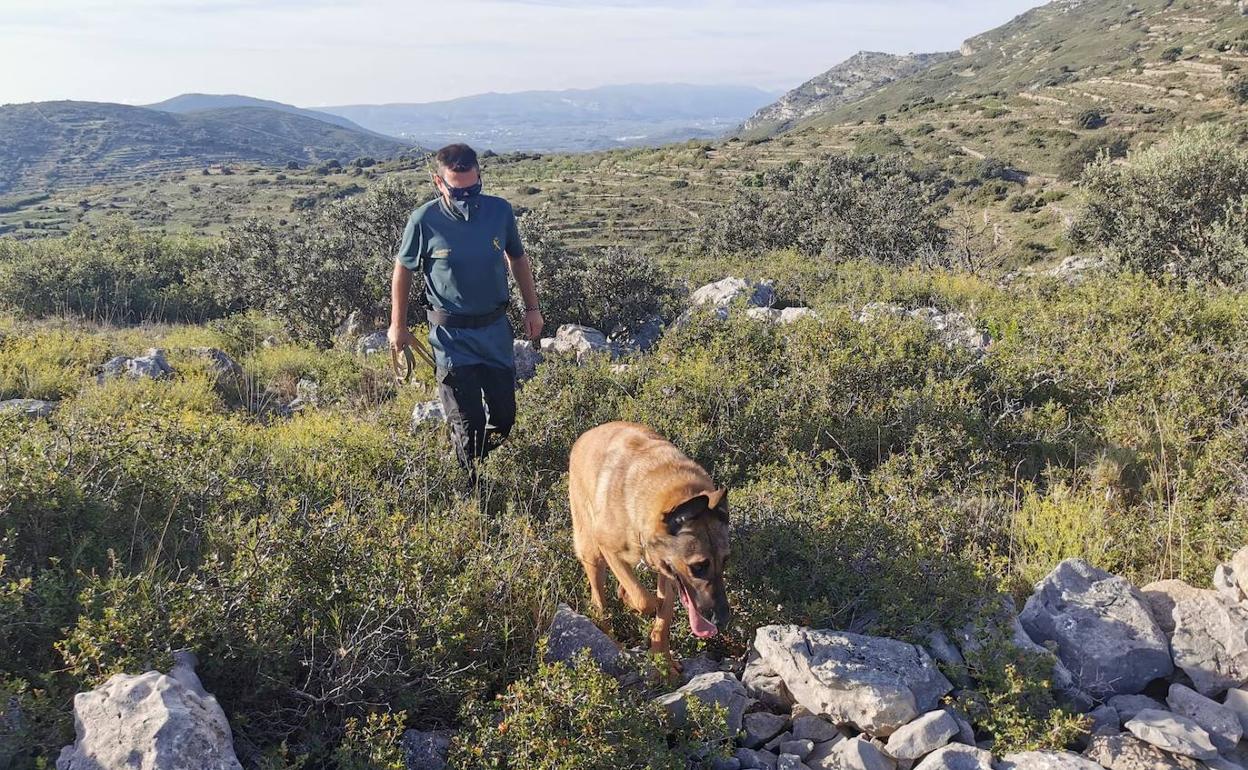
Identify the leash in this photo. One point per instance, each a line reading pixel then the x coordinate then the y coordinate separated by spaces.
pixel 403 376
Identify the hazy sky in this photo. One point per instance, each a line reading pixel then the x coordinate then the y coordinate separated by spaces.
pixel 322 52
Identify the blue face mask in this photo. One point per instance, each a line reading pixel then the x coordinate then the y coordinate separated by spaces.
pixel 460 196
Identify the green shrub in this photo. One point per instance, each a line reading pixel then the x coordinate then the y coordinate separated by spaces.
pixel 1179 208
pixel 1074 159
pixel 567 717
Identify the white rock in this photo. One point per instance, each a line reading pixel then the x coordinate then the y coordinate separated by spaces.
pixel 854 754
pixel 526 358
pixel 1172 732
pixel 1210 642
pixel 814 728
pixel 150 721
pixel 1236 700
pixel 27 407
pixel 1128 706
pixel 1126 752
pixel 1226 582
pixel 922 736
pixel 1220 722
pixel 1161 596
pixel 369 344
pixel 726 291
pixel 1046 760
pixel 579 341
pixel 428 411
pixel 875 684
pixel 716 687
pixel 956 756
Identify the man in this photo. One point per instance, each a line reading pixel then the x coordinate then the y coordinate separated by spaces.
pixel 458 243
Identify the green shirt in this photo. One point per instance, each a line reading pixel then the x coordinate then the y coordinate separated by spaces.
pixel 461 262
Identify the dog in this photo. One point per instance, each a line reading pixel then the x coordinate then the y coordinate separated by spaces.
pixel 636 497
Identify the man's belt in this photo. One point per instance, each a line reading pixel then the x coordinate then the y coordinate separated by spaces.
pixel 456 321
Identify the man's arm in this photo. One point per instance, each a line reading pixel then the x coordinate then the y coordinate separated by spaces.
pixel 522 271
pixel 401 285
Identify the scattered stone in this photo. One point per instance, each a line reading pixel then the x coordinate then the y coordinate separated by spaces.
pixel 755 760
pixel 578 341
pixel 1106 720
pixel 922 736
pixel 760 727
pixel 570 632
pixel 954 328
pixel 716 687
pixel 790 762
pixel 875 684
pixel 151 366
pixel 1226 583
pixel 1210 642
pixel 1128 706
pixel 526 359
pixel 1046 760
pixel 224 370
pixel 823 749
pixel 966 733
pixel 786 316
pixel 726 291
pixel 1237 700
pixel 1172 732
pixel 1221 723
pixel 31 408
pixel 150 720
pixel 1104 632
pixel 814 728
pixel 369 344
pixel 1239 567
pixel 940 647
pixel 764 684
pixel 956 756
pixel 798 747
pixel 425 750
pixel 428 411
pixel 1074 268
pixel 855 754
pixel 1126 752
pixel 1161 596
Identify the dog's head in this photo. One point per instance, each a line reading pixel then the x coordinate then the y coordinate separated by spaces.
pixel 692 550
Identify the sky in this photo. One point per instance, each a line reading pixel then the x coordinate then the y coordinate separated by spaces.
pixel 331 52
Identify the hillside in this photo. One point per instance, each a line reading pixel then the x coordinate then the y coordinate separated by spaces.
pixel 184 103
pixel 568 120
pixel 1145 65
pixel 67 144
pixel 853 79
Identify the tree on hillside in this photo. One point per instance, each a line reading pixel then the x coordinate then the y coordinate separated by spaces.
pixel 1178 208
pixel 838 207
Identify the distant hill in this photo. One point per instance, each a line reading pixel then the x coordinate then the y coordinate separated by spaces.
pixel 1148 61
pixel 571 120
pixel 185 103
pixel 44 145
pixel 855 78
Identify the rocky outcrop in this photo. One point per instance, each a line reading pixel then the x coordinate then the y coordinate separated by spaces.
pixel 152 365
pixel 874 684
pixel 150 721
pixel 853 79
pixel 31 408
pixel 1103 630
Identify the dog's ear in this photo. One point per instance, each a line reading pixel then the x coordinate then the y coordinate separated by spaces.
pixel 714 502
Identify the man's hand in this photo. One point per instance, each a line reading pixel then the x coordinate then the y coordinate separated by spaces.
pixel 533 323
pixel 400 337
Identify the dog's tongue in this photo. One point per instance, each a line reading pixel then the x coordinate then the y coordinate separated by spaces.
pixel 701 627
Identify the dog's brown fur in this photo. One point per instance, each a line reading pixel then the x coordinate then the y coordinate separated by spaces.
pixel 635 497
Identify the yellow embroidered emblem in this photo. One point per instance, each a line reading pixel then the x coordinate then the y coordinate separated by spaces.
pixel 497 245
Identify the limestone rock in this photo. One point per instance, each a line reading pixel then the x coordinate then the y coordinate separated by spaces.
pixel 526 359
pixel 724 292
pixel 1104 632
pixel 922 736
pixel 1173 733
pixel 224 369
pixel 798 747
pixel 1239 568
pixel 1221 723
pixel 577 341
pixel 152 365
pixel 1106 720
pixel 1236 700
pixel 875 684
pixel 640 339
pixel 31 408
pixel 755 760
pixel 570 632
pixel 1126 752
pixel 1226 582
pixel 760 727
pixel 428 411
pixel 956 756
pixel 425 750
pixel 716 687
pixel 790 762
pixel 149 721
pixel 1046 760
pixel 814 728
pixel 854 754
pixel 1128 706
pixel 1210 642
pixel 764 684
pixel 1161 596
pixel 369 344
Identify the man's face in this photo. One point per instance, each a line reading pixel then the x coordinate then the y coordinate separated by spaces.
pixel 455 179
